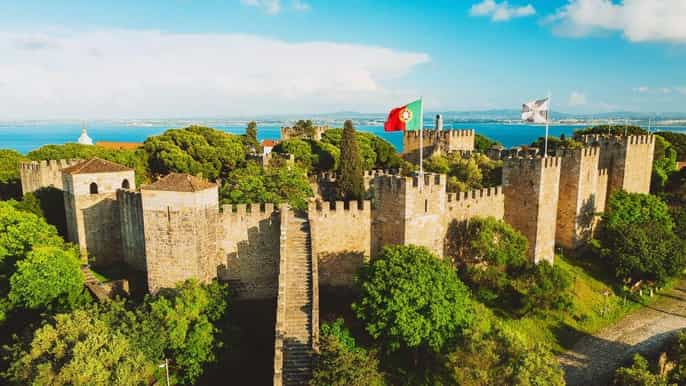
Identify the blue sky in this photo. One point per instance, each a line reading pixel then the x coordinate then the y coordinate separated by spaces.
pixel 106 59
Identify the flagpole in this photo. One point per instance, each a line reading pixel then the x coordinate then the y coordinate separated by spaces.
pixel 421 140
pixel 547 122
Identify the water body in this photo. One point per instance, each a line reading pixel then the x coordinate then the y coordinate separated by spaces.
pixel 27 136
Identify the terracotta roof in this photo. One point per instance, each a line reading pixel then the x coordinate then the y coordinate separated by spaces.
pixel 180 182
pixel 269 143
pixel 119 145
pixel 95 165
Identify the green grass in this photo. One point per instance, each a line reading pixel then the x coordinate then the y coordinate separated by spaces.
pixel 596 305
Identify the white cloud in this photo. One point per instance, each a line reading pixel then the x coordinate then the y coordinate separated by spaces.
pixel 681 90
pixel 642 89
pixel 300 5
pixel 577 98
pixel 665 90
pixel 125 73
pixel 272 7
pixel 502 11
pixel 637 20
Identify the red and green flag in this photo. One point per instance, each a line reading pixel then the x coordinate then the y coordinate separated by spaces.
pixel 405 118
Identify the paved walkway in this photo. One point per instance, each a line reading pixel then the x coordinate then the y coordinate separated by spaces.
pixel 593 359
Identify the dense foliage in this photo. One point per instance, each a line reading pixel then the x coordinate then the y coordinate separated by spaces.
pixel 10 186
pixel 196 150
pixel 412 300
pixel 678 141
pixel 466 173
pixel 637 238
pixel 556 143
pixel 664 163
pixel 610 129
pixel 250 142
pixel 271 184
pixel 314 156
pixel 115 343
pixel 376 153
pixel 500 356
pixel 350 183
pixel 341 362
pixel 135 159
pixel 482 143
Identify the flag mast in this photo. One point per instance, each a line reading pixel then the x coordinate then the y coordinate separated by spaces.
pixel 547 122
pixel 421 140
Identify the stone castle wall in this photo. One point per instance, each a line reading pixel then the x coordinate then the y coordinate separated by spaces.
pixel 489 202
pixel 180 236
pixel 341 240
pixel 42 174
pixel 132 229
pixel 93 220
pixel 531 188
pixel 578 196
pixel 249 250
pixel 639 156
pixel 442 141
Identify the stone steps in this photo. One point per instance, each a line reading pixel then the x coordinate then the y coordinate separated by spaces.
pixel 297 350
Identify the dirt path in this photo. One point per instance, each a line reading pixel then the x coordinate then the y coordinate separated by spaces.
pixel 593 359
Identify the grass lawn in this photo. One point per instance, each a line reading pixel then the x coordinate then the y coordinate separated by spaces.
pixel 596 305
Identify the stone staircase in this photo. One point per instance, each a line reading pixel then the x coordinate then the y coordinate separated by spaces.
pixel 295 339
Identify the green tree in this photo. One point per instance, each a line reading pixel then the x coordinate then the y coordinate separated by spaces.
pixel 637 238
pixel 557 143
pixel 545 287
pixel 195 150
pixel 476 171
pixel 48 276
pixel 341 363
pixel 490 256
pixel 375 152
pixel 272 184
pixel 250 139
pixel 409 299
pixel 20 232
pixel 678 142
pixel 350 183
pixel 499 356
pixel 482 143
pixel 79 349
pixel 664 164
pixel 10 183
pixel 610 129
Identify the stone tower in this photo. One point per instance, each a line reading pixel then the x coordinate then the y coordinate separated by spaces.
pixel 409 210
pixel 628 161
pixel 92 211
pixel 531 187
pixel 180 213
pixel 436 141
pixel 578 196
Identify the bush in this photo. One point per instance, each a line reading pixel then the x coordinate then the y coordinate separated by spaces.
pixel 409 299
pixel 546 287
pixel 482 143
pixel 376 153
pixel 466 173
pixel 341 363
pixel 10 180
pixel 637 238
pixel 678 142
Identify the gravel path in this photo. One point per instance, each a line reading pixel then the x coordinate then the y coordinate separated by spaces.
pixel 593 359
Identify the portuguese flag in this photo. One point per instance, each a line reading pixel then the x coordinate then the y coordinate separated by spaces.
pixel 408 117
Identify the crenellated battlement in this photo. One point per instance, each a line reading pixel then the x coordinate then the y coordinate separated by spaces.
pixel 476 194
pixel 49 164
pixel 42 174
pixel 401 184
pixel 240 212
pixel 608 139
pixel 326 208
pixel 522 164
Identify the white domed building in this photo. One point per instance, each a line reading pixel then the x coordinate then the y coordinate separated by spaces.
pixel 84 139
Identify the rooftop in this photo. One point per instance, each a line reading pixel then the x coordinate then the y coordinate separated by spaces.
pixel 119 145
pixel 95 165
pixel 180 182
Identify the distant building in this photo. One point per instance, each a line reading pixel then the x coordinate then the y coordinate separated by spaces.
pixel 439 122
pixel 268 145
pixel 84 139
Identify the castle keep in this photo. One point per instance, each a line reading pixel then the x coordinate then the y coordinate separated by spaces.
pixel 174 229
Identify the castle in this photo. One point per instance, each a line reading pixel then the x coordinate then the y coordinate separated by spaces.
pixel 174 229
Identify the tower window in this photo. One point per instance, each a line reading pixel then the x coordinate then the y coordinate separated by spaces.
pixel 94 188
pixel 125 184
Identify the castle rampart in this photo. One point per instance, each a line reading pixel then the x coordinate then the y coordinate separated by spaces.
pixel 341 239
pixel 249 249
pixel 578 196
pixel 531 188
pixel 132 229
pixel 42 174
pixel 433 141
pixel 488 202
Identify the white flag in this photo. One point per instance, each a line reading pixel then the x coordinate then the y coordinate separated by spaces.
pixel 536 111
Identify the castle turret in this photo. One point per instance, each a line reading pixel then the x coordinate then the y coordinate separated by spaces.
pixel 531 188
pixel 409 210
pixel 180 213
pixel 91 206
pixel 578 199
